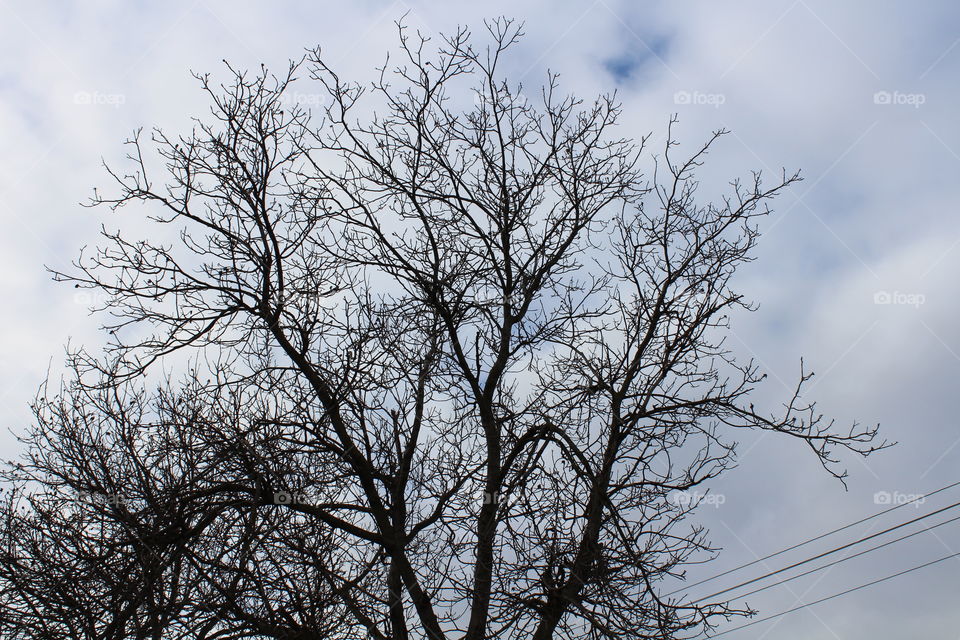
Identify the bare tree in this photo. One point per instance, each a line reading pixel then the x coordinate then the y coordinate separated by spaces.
pixel 452 354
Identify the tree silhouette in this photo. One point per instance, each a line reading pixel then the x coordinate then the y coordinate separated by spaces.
pixel 450 356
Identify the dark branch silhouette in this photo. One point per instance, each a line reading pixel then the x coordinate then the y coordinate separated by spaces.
pixel 449 355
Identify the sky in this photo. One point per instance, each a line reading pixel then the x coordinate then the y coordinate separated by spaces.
pixel 855 272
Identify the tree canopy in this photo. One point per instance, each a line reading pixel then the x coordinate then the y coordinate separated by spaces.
pixel 451 352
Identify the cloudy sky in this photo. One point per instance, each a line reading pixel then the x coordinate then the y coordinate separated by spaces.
pixel 856 271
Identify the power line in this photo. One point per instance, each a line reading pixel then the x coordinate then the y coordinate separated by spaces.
pixel 820 537
pixel 837 595
pixel 835 562
pixel 832 551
